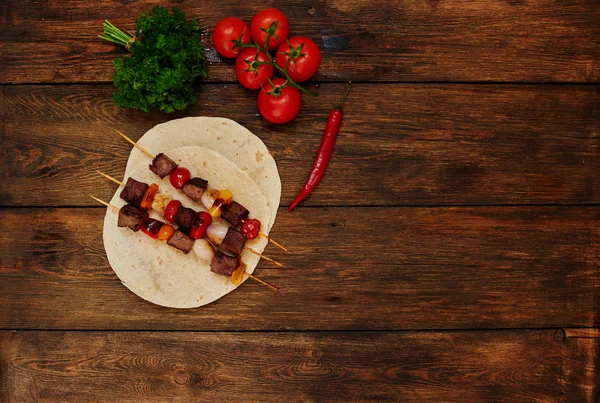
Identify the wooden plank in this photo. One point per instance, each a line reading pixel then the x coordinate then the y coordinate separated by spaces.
pixel 348 268
pixel 409 145
pixel 532 41
pixel 508 366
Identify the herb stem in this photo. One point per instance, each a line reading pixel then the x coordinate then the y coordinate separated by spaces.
pixel 115 35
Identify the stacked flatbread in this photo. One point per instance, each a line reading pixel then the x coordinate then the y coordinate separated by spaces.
pixel 228 156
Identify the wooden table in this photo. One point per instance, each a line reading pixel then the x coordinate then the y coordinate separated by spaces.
pixel 449 254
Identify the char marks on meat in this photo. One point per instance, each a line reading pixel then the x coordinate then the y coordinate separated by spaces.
pixel 131 217
pixel 181 241
pixel 223 264
pixel 185 217
pixel 234 241
pixel 235 213
pixel 133 192
pixel 162 165
pixel 194 188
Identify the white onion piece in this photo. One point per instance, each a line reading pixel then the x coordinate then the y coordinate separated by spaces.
pixel 204 250
pixel 216 233
pixel 208 197
pixel 159 204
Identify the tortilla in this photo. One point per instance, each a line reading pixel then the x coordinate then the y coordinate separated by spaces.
pixel 228 138
pixel 162 274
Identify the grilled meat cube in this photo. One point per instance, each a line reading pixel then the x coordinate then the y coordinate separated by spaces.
pixel 223 264
pixel 181 241
pixel 131 217
pixel 185 217
pixel 162 165
pixel 235 213
pixel 234 241
pixel 194 188
pixel 133 192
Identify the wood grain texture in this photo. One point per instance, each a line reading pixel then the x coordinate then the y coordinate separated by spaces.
pixel 482 40
pixel 509 366
pixel 408 145
pixel 348 269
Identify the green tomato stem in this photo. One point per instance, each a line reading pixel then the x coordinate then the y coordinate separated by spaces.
pixel 282 71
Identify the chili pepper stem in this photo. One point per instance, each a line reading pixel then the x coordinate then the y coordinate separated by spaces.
pixel 345 95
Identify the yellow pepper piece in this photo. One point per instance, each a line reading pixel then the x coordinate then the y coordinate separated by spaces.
pixel 226 196
pixel 215 210
pixel 238 274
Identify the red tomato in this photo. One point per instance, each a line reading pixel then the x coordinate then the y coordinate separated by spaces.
pixel 151 227
pixel 250 228
pixel 179 177
pixel 270 20
pixel 198 230
pixel 229 34
pixel 249 70
pixel 280 102
pixel 171 210
pixel 301 56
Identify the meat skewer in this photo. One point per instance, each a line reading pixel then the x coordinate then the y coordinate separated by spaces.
pixel 134 192
pixel 134 219
pixel 163 166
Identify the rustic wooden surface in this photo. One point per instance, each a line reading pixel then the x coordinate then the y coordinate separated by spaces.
pixel 409 145
pixel 423 268
pixel 481 40
pixel 541 365
pixel 449 254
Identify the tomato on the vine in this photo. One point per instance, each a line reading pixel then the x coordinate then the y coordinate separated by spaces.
pixel 228 36
pixel 253 69
pixel 301 56
pixel 278 101
pixel 270 21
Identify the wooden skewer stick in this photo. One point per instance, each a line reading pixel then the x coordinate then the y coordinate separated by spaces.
pixel 249 275
pixel 152 156
pixel 105 203
pixel 142 149
pixel 122 184
pixel 261 281
pixel 262 256
pixel 118 182
pixel 272 241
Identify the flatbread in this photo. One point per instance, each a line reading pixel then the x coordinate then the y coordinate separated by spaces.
pixel 162 274
pixel 225 136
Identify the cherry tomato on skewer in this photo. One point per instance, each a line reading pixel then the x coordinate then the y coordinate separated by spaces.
pixel 171 210
pixel 250 228
pixel 179 177
pixel 151 227
pixel 198 230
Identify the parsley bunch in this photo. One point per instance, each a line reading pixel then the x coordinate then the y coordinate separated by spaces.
pixel 165 61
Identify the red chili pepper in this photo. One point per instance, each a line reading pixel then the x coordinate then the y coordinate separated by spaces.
pixel 324 154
